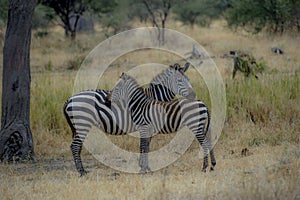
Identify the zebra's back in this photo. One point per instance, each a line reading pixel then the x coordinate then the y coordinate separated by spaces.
pixel 90 108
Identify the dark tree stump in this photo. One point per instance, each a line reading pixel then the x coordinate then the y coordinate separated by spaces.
pixel 15 135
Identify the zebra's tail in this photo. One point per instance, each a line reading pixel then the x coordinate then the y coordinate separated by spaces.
pixel 208 122
pixel 68 118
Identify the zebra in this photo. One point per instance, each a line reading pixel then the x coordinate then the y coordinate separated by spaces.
pixel 91 108
pixel 151 117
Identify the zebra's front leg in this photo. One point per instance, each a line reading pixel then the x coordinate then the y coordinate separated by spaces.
pixel 76 147
pixel 144 150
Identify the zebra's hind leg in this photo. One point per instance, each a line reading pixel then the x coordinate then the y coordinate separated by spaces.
pixel 76 147
pixel 205 159
pixel 211 153
pixel 204 143
pixel 212 159
pixel 144 150
pixel 207 146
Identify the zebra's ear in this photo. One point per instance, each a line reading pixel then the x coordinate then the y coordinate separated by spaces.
pixel 123 76
pixel 185 67
pixel 176 66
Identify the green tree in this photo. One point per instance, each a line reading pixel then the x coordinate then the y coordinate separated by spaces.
pixel 115 19
pixel 275 15
pixel 42 16
pixel 3 12
pixel 199 12
pixel 158 12
pixel 68 9
pixel 295 13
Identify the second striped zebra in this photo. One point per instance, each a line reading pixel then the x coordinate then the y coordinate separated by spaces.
pixel 151 117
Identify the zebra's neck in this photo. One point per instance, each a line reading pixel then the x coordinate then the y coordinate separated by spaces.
pixel 162 78
pixel 161 93
pixel 136 98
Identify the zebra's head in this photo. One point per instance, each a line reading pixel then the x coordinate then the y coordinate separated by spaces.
pixel 121 91
pixel 175 80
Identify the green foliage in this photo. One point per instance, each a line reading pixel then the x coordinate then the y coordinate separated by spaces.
pixel 42 16
pixel 276 15
pixel 158 12
pixel 101 6
pixel 116 19
pixel 199 12
pixel 3 12
pixel 74 9
pixel 138 10
pixel 151 9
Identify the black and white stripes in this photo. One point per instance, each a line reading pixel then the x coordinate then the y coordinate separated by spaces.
pixel 151 117
pixel 91 108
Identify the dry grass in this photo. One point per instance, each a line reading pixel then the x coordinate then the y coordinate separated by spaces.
pixel 262 117
pixel 267 173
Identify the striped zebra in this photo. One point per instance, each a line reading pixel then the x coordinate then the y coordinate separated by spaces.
pixel 151 117
pixel 91 108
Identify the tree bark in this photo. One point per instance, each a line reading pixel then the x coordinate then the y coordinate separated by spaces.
pixel 15 135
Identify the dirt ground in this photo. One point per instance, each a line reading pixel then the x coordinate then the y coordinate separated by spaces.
pixel 260 172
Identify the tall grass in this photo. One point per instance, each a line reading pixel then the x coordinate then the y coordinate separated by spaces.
pixel 48 94
pixel 270 103
pixel 266 101
pixel 50 130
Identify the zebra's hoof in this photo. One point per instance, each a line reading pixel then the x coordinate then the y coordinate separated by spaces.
pixel 214 163
pixel 204 170
pixel 211 168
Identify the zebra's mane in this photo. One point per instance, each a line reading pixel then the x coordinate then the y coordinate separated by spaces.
pixel 163 76
pixel 129 82
pixel 135 83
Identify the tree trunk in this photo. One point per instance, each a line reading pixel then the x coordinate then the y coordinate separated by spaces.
pixel 162 41
pixel 15 134
pixel 73 34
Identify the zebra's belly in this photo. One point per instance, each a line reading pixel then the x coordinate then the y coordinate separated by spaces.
pixel 115 122
pixel 167 126
pixel 170 128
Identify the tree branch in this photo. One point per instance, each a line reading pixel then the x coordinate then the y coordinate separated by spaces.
pixel 154 22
